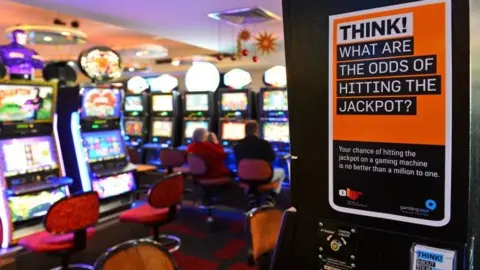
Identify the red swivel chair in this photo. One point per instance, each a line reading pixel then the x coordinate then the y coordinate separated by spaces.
pixel 164 200
pixel 173 160
pixel 210 187
pixel 68 225
pixel 255 176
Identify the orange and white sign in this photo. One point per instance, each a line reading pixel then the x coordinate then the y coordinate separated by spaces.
pixel 390 112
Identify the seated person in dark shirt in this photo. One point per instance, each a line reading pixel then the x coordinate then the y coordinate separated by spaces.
pixel 254 147
pixel 206 145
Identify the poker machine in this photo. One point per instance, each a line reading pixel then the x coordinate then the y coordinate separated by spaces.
pixel 236 105
pixel 273 114
pixel 92 134
pixel 199 112
pixel 165 119
pixel 32 175
pixel 136 114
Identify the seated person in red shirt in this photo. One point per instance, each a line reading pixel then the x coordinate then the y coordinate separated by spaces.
pixel 206 145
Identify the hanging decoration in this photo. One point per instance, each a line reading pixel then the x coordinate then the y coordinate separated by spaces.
pixel 266 43
pixel 243 36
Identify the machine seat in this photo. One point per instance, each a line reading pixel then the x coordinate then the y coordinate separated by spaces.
pixel 46 242
pixel 146 214
pixel 262 188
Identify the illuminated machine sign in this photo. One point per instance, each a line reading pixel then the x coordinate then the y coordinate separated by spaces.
pixel 100 64
pixel 276 76
pixel 137 85
pixel 237 78
pixel 202 76
pixel 164 83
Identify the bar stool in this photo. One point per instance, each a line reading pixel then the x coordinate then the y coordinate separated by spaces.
pixel 263 227
pixel 255 177
pixel 210 187
pixel 173 160
pixel 164 199
pixel 136 254
pixel 68 226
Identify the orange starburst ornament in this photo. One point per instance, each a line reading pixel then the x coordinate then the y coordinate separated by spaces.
pixel 266 43
pixel 245 35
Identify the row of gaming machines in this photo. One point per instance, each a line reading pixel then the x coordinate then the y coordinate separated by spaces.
pixel 171 119
pixel 59 140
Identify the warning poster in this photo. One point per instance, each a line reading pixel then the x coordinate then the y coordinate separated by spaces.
pixel 390 113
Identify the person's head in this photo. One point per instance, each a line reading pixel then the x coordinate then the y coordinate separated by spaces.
pixel 200 135
pixel 251 128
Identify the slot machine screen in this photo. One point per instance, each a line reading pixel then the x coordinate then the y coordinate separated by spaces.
pixel 26 103
pixel 162 129
pixel 134 127
pixel 28 155
pixel 162 103
pixel 34 205
pixel 114 185
pixel 276 100
pixel 196 102
pixel 276 132
pixel 235 101
pixel 133 104
pixel 103 145
pixel 233 131
pixel 190 127
pixel 101 103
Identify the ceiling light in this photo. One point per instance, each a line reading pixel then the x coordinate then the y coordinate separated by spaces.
pixel 131 69
pixel 71 63
pixel 141 53
pixel 47 38
pixel 176 63
pixel 65 33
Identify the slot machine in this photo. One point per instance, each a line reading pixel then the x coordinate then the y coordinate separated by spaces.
pixel 273 113
pixel 135 114
pixel 165 121
pixel 199 108
pixel 236 105
pixel 32 174
pixel 198 112
pixel 91 131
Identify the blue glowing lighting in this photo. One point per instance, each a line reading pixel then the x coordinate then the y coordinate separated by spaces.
pixel 77 143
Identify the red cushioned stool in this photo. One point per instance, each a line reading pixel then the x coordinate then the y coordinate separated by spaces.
pixel 210 187
pixel 255 177
pixel 164 199
pixel 68 226
pixel 173 160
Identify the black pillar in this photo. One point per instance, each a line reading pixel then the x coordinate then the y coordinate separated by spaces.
pixel 384 140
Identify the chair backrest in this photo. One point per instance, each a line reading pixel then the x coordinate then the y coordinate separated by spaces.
pixel 73 213
pixel 172 157
pixel 263 227
pixel 167 192
pixel 196 165
pixel 136 255
pixel 134 155
pixel 254 170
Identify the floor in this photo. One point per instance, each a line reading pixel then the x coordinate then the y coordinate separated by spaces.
pixel 201 248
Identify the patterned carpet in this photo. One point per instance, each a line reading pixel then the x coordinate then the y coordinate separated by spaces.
pixel 201 248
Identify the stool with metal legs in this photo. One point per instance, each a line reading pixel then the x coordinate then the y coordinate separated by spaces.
pixel 68 226
pixel 164 198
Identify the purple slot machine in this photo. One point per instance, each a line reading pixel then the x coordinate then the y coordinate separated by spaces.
pixel 32 175
pixel 91 131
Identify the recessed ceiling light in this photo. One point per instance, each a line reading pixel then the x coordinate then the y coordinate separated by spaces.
pixel 71 63
pixel 176 63
pixel 131 69
pixel 66 33
pixel 47 39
